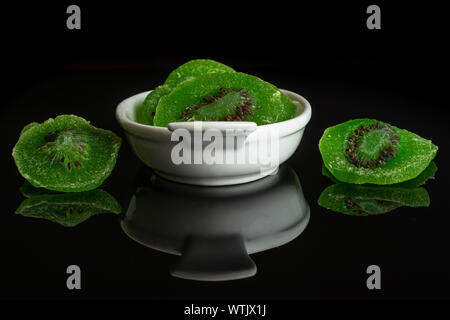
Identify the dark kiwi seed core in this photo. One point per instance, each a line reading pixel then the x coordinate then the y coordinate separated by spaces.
pixel 65 147
pixel 226 105
pixel 371 146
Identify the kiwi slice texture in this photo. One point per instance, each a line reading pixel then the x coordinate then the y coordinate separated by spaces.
pixel 225 96
pixel 69 209
pixel 66 154
pixel 193 69
pixel 354 199
pixel 370 151
pixel 28 126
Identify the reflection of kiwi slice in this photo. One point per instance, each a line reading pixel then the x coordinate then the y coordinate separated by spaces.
pixel 29 191
pixel 423 177
pixel 193 69
pixel 370 200
pixel 225 96
pixel 66 154
pixel 370 151
pixel 69 209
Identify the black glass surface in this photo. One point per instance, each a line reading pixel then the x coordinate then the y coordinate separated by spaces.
pixel 343 70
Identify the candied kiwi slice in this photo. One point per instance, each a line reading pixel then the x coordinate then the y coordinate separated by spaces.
pixel 183 73
pixel 69 209
pixel 370 151
pixel 268 104
pixel 226 105
pixel 66 154
pixel 370 200
pixel 193 69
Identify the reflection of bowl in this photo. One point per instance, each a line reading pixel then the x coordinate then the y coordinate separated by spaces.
pixel 215 228
pixel 153 145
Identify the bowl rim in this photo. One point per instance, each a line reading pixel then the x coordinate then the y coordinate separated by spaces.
pixel 298 122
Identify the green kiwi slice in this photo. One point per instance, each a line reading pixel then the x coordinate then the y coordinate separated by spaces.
pixel 186 72
pixel 66 154
pixel 225 97
pixel 69 209
pixel 421 179
pixel 361 200
pixel 193 69
pixel 370 151
pixel 146 112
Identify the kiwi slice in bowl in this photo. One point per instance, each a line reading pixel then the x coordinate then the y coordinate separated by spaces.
pixel 66 154
pixel 146 112
pixel 195 68
pixel 69 209
pixel 225 97
pixel 361 200
pixel 186 72
pixel 370 151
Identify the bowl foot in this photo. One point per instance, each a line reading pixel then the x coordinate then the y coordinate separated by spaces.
pixel 218 181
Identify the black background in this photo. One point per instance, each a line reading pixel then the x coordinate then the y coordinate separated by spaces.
pixel 324 52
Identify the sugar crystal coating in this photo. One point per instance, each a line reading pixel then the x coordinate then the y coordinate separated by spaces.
pixel 66 154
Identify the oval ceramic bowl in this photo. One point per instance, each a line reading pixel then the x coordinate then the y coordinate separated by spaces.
pixel 256 152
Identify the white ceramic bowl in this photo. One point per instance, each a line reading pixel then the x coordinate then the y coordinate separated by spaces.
pixel 153 145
